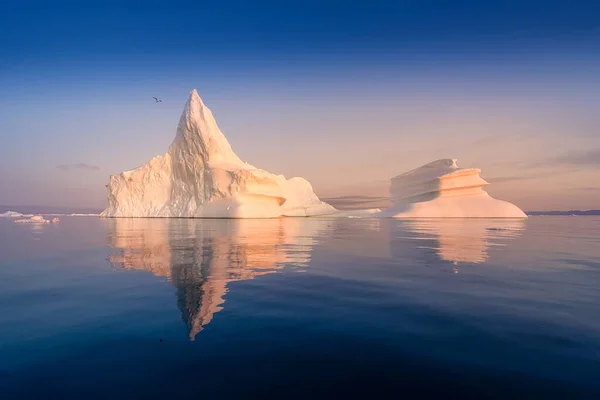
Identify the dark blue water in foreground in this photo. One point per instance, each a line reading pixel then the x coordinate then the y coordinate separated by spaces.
pixel 294 308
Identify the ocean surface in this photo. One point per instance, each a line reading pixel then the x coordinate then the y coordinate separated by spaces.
pixel 300 308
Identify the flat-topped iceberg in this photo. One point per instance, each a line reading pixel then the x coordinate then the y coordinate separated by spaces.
pixel 441 189
pixel 200 176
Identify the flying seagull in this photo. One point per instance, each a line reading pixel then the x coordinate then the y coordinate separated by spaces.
pixel 157 100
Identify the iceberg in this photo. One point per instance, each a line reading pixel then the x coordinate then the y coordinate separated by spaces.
pixel 441 189
pixel 11 214
pixel 201 177
pixel 36 219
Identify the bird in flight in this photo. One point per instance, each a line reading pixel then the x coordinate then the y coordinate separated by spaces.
pixel 157 100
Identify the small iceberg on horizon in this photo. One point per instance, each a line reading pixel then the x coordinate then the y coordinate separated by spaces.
pixel 14 214
pixel 36 219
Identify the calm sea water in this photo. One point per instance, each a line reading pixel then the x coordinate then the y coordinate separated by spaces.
pixel 104 308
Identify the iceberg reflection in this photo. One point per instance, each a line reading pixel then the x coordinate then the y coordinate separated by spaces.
pixel 460 240
pixel 200 257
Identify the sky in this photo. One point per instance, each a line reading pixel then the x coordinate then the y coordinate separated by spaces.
pixel 345 94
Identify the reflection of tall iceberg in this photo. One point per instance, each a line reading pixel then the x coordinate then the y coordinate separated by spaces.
pixel 461 240
pixel 442 189
pixel 200 257
pixel 201 176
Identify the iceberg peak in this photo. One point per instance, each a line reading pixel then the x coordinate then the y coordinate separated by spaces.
pixel 195 103
pixel 199 135
pixel 195 97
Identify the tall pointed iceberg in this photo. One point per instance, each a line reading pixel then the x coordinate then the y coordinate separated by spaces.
pixel 200 176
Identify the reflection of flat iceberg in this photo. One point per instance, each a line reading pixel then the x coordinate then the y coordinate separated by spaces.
pixel 200 176
pixel 457 240
pixel 463 240
pixel 200 257
pixel 442 189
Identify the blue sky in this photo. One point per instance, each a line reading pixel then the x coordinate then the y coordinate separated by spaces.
pixel 346 95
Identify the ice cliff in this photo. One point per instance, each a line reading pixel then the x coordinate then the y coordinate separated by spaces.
pixel 442 189
pixel 200 176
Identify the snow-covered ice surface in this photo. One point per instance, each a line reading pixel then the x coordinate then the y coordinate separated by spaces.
pixel 441 189
pixel 200 176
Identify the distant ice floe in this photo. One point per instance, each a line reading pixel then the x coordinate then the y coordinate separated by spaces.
pixel 14 214
pixel 73 215
pixel 36 219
